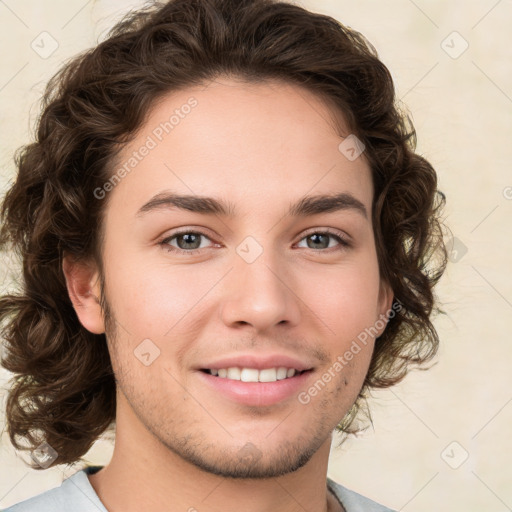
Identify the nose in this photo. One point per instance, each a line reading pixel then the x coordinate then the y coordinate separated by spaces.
pixel 260 294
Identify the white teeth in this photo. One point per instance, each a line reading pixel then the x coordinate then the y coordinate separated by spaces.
pixel 253 374
pixel 281 373
pixel 234 373
pixel 249 375
pixel 268 375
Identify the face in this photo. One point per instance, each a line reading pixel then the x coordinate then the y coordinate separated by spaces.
pixel 262 282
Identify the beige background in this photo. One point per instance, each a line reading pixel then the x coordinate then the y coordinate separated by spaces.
pixel 462 108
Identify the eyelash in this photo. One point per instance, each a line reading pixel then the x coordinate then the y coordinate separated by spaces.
pixel 341 239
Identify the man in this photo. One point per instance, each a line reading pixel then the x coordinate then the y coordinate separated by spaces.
pixel 227 240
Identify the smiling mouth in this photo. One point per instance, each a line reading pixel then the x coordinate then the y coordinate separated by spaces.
pixel 254 374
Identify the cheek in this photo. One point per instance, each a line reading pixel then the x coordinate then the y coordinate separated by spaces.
pixel 153 299
pixel 344 298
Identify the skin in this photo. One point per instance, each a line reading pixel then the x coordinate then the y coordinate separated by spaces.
pixel 180 445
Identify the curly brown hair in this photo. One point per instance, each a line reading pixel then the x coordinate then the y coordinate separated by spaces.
pixel 63 390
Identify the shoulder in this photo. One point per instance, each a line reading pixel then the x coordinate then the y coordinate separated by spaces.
pixel 75 493
pixel 354 502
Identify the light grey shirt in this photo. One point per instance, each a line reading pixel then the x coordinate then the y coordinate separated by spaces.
pixel 76 494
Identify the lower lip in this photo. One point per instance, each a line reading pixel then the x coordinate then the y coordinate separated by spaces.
pixel 257 393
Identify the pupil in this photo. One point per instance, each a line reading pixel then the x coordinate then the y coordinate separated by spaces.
pixel 316 236
pixel 186 238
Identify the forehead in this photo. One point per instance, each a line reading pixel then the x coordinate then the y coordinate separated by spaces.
pixel 254 143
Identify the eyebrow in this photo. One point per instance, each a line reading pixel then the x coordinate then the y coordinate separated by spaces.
pixel 306 206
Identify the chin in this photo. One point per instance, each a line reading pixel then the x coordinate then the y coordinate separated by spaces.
pixel 250 461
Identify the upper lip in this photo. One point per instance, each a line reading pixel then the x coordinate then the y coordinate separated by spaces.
pixel 259 362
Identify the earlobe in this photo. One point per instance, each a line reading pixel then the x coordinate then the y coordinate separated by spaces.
pixel 82 281
pixel 386 297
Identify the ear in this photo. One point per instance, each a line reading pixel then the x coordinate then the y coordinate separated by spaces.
pixel 384 305
pixel 82 281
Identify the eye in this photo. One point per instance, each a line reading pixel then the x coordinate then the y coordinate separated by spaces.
pixel 187 242
pixel 190 242
pixel 320 240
